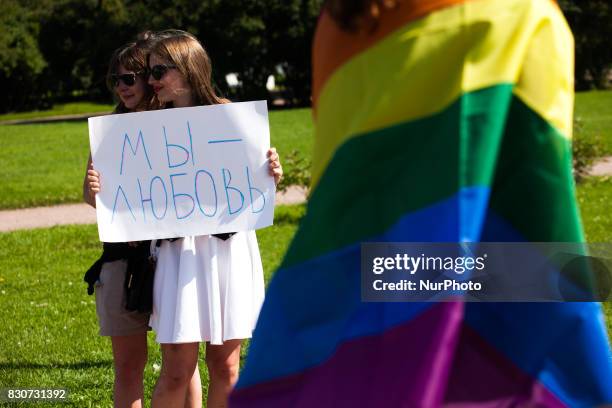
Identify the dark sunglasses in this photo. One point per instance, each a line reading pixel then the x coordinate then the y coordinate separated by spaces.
pixel 127 79
pixel 158 71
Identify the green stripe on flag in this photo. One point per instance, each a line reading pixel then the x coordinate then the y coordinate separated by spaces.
pixel 376 178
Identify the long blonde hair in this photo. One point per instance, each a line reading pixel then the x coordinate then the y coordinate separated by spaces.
pixel 185 52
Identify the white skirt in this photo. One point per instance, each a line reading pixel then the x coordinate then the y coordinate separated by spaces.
pixel 207 289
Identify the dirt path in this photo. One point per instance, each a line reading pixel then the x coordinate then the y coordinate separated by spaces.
pixel 603 167
pixel 44 217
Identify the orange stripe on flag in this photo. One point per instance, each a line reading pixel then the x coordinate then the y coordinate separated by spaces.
pixel 333 46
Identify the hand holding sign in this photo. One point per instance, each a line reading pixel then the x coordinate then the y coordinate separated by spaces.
pixel 178 172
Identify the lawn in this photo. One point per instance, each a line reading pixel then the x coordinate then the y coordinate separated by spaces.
pixel 60 109
pixel 49 327
pixel 594 110
pixel 44 164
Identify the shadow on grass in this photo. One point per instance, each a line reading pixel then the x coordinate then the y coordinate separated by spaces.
pixel 52 119
pixel 289 214
pixel 68 366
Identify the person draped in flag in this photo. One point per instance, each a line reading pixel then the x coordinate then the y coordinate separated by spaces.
pixel 436 121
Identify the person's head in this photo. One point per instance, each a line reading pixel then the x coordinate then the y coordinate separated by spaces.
pixel 358 15
pixel 127 75
pixel 180 71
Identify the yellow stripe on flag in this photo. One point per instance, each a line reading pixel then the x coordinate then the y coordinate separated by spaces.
pixel 423 67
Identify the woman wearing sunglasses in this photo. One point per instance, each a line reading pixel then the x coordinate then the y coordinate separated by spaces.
pixel 221 280
pixel 128 330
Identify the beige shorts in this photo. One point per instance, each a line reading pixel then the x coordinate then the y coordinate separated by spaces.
pixel 114 320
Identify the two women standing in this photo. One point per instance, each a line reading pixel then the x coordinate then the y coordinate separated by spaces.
pixel 208 289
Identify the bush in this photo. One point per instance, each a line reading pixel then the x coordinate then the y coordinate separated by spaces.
pixel 585 149
pixel 21 62
pixel 296 171
pixel 591 23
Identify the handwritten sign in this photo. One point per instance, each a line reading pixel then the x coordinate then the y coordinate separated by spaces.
pixel 178 172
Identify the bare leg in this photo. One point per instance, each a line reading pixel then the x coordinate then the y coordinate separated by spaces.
pixel 194 391
pixel 179 362
pixel 129 357
pixel 223 363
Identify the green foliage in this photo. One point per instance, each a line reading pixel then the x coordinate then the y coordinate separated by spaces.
pixel 52 50
pixel 77 38
pixel 21 62
pixel 66 44
pixel 585 149
pixel 290 28
pixel 591 23
pixel 252 38
pixel 299 173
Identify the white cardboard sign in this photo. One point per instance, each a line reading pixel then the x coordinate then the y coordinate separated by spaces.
pixel 177 172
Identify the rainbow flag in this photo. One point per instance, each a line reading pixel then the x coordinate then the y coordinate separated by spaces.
pixel 450 122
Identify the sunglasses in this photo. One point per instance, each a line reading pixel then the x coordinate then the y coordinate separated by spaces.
pixel 158 71
pixel 127 79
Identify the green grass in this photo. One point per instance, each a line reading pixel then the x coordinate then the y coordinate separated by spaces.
pixel 594 108
pixel 595 200
pixel 44 164
pixel 292 130
pixel 48 323
pixel 60 109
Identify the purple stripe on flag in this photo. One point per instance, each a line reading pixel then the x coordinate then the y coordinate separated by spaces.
pixel 431 360
pixel 482 377
pixel 407 365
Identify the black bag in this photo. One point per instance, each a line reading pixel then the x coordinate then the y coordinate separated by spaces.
pixel 139 278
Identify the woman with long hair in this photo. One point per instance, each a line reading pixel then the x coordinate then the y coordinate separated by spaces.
pixel 220 278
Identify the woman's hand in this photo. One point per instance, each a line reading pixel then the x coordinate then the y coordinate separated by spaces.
pixel 92 183
pixel 274 165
